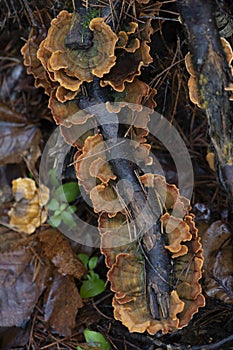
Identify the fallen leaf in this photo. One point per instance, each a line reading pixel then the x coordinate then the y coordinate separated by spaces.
pixel 218 261
pixel 20 285
pixel 19 139
pixel 26 267
pixel 57 248
pixel 11 76
pixel 61 305
pixel 14 337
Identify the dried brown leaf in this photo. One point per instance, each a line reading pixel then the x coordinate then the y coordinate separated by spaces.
pixel 62 303
pixel 18 138
pixel 218 261
pixel 14 337
pixel 57 248
pixel 21 282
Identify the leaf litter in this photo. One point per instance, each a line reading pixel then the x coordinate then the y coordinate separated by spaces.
pixel 26 272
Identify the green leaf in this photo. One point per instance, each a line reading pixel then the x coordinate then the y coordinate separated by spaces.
pixel 68 218
pixel 63 206
pixel 94 275
pixel 59 194
pixel 53 204
pixel 84 258
pixel 55 220
pixel 93 262
pixel 90 288
pixel 67 192
pixel 96 339
pixel 79 348
pixel 72 208
pixel 53 177
pixel 57 212
pixel 30 175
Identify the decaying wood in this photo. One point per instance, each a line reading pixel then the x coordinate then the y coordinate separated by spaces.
pixel 158 268
pixel 213 77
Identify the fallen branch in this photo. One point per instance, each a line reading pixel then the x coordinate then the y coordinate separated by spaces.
pixel 213 77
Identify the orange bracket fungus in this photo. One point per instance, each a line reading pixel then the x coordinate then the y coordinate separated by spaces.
pixel 71 67
pixel 153 271
pixel 63 69
pixel 179 293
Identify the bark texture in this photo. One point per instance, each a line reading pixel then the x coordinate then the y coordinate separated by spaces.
pixel 213 76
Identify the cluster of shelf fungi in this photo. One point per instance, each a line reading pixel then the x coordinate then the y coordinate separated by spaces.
pixel 94 57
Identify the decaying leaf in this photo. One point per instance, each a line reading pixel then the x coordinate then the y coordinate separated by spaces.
pixel 57 248
pixel 18 138
pixel 14 337
pixel 20 285
pixel 61 304
pixel 26 272
pixel 218 261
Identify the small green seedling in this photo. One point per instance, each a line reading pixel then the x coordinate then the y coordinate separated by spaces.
pixel 95 339
pixel 59 203
pixel 92 284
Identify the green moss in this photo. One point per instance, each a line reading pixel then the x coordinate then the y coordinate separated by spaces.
pixel 227 152
pixel 87 19
pixel 203 81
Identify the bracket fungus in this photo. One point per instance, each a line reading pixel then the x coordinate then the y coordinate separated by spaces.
pixel 28 212
pixel 30 48
pixel 92 164
pixel 135 95
pixel 126 40
pixel 67 113
pixel 58 67
pixel 134 48
pixel 127 264
pixel 123 72
pixel 71 67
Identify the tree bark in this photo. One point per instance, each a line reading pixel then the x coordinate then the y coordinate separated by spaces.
pixel 213 76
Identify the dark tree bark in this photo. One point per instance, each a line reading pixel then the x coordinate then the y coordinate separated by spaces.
pixel 213 76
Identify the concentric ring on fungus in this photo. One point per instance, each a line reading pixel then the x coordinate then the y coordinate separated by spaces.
pixel 71 67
